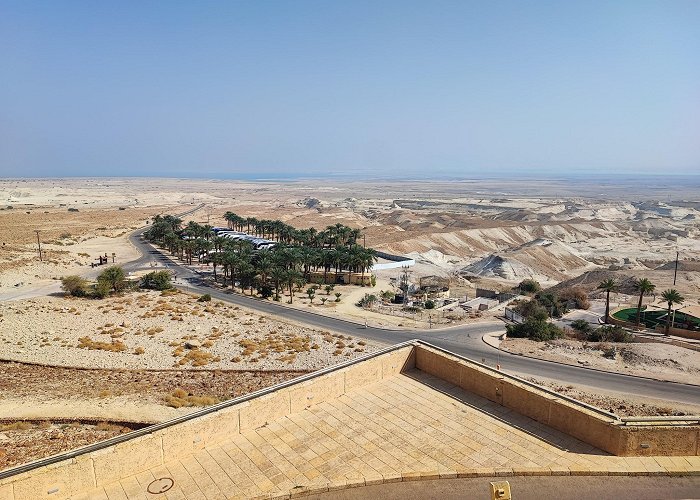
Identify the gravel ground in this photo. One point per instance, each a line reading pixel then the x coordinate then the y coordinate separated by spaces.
pixel 23 442
pixel 626 406
pixel 661 361
pixel 150 330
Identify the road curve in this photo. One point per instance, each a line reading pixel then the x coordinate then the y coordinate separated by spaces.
pixel 464 340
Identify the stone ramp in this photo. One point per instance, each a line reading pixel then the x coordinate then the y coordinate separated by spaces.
pixel 406 427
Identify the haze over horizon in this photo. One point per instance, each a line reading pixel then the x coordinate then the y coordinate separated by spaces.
pixel 293 89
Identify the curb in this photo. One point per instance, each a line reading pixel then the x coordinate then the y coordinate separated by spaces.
pixel 485 472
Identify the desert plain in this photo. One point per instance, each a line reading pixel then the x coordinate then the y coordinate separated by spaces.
pixel 76 370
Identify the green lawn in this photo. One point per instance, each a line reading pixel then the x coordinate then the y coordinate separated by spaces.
pixel 654 317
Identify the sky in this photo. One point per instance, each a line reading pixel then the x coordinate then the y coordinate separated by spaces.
pixel 375 88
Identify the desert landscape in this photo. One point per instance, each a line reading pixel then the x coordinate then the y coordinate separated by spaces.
pixel 76 370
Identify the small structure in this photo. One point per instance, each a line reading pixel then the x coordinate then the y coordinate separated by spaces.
pixel 433 287
pixel 493 294
pixel 340 278
pixel 479 304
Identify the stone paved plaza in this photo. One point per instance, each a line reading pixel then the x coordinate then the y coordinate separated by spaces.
pixel 409 426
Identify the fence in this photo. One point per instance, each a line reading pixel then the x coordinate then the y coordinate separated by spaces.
pixel 396 261
pixel 514 316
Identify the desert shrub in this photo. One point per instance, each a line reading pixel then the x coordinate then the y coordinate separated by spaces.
pixel 529 286
pixel 114 276
pixel 411 309
pixel 552 303
pixel 609 333
pixel 181 398
pixel 581 325
pixel 373 280
pixel 204 298
pixel 73 210
pixel 387 295
pixel 100 290
pixel 577 296
pixel 65 236
pixel 16 426
pixel 531 309
pixel 88 343
pixel 430 304
pixel 74 285
pixel 367 301
pixel 535 329
pixel 156 280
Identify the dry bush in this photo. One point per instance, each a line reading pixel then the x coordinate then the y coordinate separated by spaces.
pixel 276 343
pixel 106 426
pixel 576 295
pixel 16 426
pixel 88 343
pixel 181 398
pixel 197 357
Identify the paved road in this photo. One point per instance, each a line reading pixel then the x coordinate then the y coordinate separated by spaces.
pixel 528 488
pixel 464 340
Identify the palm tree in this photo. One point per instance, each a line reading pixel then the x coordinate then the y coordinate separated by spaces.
pixel 277 275
pixel 292 278
pixel 671 296
pixel 214 258
pixel 644 287
pixel 609 285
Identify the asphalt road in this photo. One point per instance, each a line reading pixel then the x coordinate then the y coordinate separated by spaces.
pixel 528 488
pixel 464 340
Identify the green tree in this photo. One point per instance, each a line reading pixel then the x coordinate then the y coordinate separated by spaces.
pixel 609 285
pixel 643 287
pixel 529 286
pixel 671 296
pixel 535 329
pixel 156 280
pixel 582 326
pixel 74 285
pixel 114 276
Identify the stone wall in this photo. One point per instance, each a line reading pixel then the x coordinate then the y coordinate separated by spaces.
pixel 607 433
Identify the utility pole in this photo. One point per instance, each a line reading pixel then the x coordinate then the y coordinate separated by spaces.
pixel 403 283
pixel 675 272
pixel 38 241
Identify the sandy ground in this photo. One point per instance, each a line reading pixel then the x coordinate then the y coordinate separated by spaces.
pixel 70 242
pixel 661 361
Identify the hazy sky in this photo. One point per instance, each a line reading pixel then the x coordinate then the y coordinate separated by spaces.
pixel 379 88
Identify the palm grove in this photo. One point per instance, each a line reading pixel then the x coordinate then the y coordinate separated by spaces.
pixel 288 265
